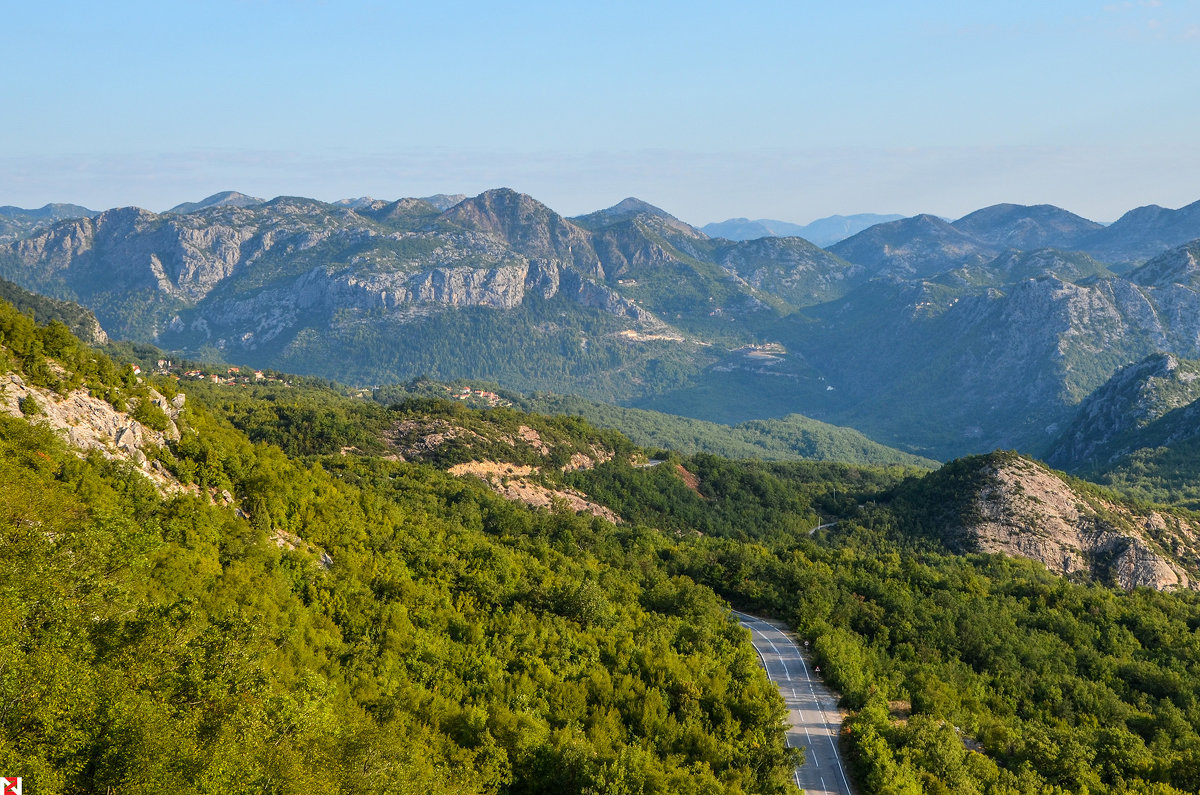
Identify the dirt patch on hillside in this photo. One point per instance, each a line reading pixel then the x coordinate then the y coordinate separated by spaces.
pixel 689 480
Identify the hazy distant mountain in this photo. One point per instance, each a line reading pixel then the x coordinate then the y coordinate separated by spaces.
pixel 17 222
pixel 49 212
pixel 745 229
pixel 623 210
pixel 827 231
pixel 921 246
pixel 1143 233
pixel 228 198
pixel 824 231
pixel 360 203
pixel 1027 227
pixel 444 201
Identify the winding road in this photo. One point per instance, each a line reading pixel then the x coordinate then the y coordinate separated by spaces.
pixel 812 708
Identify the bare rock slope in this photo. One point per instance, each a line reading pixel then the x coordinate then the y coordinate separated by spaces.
pixel 88 423
pixel 1015 506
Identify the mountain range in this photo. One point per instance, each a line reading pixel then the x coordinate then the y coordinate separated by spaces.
pixel 822 232
pixel 938 337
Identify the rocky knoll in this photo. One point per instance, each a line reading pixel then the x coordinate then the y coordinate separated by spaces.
pixel 1004 503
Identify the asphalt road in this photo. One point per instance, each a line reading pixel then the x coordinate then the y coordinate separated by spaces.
pixel 812 708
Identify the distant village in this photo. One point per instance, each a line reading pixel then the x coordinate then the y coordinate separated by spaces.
pixel 470 394
pixel 221 375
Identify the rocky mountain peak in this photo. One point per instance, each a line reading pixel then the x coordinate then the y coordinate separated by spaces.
pixel 529 226
pixel 227 198
pixel 652 218
pixel 629 207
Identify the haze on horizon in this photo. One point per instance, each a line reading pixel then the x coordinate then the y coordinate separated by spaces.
pixel 782 110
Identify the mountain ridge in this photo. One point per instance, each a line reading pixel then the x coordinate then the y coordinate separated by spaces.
pixel 822 232
pixel 978 346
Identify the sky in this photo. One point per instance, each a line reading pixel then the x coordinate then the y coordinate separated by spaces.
pixel 786 110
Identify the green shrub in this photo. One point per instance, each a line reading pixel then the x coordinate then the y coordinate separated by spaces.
pixel 150 415
pixel 29 406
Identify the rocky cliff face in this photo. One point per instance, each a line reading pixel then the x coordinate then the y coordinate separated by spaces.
pixel 89 423
pixel 250 273
pixel 1022 509
pixel 527 226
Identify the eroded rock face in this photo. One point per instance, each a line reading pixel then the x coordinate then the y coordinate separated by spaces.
pixel 89 423
pixel 1025 510
pixel 247 275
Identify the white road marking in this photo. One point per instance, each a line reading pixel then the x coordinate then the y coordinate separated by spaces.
pixel 763 630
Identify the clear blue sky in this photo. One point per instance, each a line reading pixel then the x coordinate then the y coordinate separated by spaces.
pixel 789 110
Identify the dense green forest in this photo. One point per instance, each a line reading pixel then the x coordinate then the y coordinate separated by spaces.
pixel 354 622
pixel 1164 474
pixel 790 437
pixel 968 674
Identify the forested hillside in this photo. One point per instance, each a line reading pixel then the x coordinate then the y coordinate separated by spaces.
pixel 273 623
pixel 311 596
